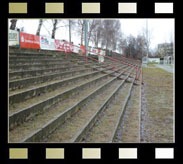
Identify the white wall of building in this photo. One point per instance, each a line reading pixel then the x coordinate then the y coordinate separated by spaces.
pixel 154 60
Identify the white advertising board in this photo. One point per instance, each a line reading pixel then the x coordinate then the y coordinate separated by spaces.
pixel 47 43
pixel 101 58
pixel 76 49
pixel 13 38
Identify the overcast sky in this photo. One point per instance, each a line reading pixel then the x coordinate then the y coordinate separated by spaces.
pixel 161 30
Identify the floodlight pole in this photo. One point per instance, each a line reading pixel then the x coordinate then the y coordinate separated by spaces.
pixel 86 36
pixel 147 37
pixel 70 31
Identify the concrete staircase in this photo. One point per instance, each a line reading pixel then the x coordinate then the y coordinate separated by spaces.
pixel 59 98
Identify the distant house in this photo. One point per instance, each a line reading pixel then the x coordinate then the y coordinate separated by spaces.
pixel 165 49
pixel 153 60
pixel 144 61
pixel 166 52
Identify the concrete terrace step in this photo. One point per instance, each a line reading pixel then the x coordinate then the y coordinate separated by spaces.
pixel 30 108
pixel 28 73
pixel 21 83
pixel 105 120
pixel 13 75
pixel 61 107
pixel 39 89
pixel 41 134
pixel 15 58
pixel 46 61
pixel 40 120
pixel 33 52
pixel 58 97
pixel 35 56
pixel 76 122
pixel 29 92
pixel 35 72
pixel 103 130
pixel 39 66
pixel 32 58
pixel 18 54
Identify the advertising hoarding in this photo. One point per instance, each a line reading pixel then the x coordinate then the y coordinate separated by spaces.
pixel 13 38
pixel 47 43
pixel 29 41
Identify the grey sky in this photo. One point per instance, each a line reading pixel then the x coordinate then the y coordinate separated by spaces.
pixel 161 30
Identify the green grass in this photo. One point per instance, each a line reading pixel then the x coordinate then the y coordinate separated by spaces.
pixel 159 95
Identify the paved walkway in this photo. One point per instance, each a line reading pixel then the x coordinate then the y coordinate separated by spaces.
pixel 165 67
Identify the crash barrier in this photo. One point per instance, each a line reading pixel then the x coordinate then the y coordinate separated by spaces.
pixel 25 40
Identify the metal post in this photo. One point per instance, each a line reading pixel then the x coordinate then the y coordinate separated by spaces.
pixel 70 31
pixel 86 38
pixel 136 74
pixel 147 37
pixel 142 76
pixel 114 65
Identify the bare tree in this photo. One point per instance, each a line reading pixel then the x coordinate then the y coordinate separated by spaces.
pixel 106 31
pixel 39 27
pixel 134 47
pixel 13 24
pixel 80 29
pixel 120 43
pixel 55 22
pixel 97 33
pixel 171 37
pixel 115 35
pixel 92 26
pixel 110 34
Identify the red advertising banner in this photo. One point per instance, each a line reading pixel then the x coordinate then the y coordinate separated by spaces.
pixel 59 45
pixel 82 49
pixel 29 41
pixel 71 47
pixel 64 46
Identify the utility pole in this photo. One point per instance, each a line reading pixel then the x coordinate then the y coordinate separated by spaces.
pixel 70 31
pixel 86 36
pixel 147 37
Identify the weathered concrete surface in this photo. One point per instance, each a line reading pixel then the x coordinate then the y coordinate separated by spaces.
pixel 18 97
pixel 42 133
pixel 29 73
pixel 19 117
pixel 35 80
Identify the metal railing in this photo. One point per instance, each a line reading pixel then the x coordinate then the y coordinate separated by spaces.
pixel 114 61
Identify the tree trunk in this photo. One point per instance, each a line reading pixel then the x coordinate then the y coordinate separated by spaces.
pixel 82 30
pixel 90 32
pixel 98 37
pixel 13 24
pixel 39 27
pixel 54 29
